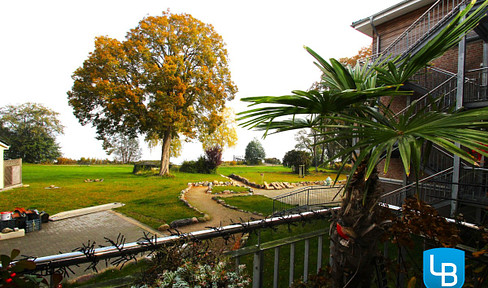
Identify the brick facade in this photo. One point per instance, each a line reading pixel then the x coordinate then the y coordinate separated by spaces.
pixel 390 31
pixel 474 57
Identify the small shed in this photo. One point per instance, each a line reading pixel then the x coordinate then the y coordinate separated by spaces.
pixel 3 147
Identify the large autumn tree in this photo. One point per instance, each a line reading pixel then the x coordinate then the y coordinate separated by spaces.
pixel 169 78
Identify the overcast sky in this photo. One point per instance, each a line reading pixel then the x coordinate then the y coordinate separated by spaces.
pixel 43 42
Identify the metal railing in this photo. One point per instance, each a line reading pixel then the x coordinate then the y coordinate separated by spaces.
pixel 474 184
pixel 258 250
pixel 439 160
pixel 443 92
pixel 305 199
pixel 431 189
pixel 50 264
pixel 426 25
pixel 475 87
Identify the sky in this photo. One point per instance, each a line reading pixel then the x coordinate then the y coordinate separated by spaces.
pixel 43 42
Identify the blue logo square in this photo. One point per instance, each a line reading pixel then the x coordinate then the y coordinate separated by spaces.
pixel 443 267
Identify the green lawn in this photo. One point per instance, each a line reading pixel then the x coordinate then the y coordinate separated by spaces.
pixel 275 174
pixel 150 199
pixel 254 203
pixel 220 189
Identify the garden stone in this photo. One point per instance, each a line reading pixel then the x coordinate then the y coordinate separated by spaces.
pixel 181 222
pixel 163 227
pixel 194 219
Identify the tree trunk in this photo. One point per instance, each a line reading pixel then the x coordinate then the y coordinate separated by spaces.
pixel 315 151
pixel 164 169
pixel 355 231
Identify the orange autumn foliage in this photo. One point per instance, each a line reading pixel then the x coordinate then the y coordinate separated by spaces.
pixel 168 78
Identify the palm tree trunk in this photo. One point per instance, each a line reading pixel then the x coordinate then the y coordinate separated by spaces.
pixel 355 231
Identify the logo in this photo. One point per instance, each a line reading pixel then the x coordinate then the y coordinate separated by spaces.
pixel 443 267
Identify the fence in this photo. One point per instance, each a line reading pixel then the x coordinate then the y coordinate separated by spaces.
pixel 12 173
pixel 121 252
pixel 306 199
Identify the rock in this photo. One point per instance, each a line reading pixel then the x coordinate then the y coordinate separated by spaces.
pixel 181 222
pixel 163 227
pixel 206 217
pixel 266 185
pixel 194 220
pixel 7 230
pixel 226 192
pixel 288 185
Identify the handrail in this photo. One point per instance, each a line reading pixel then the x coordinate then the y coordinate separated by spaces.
pixel 298 191
pixel 414 183
pixel 424 96
pixel 49 263
pixel 440 70
pixel 477 69
pixel 425 24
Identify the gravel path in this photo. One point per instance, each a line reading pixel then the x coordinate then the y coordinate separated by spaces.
pixel 220 215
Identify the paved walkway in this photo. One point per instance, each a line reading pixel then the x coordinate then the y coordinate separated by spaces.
pixel 68 234
pixel 220 215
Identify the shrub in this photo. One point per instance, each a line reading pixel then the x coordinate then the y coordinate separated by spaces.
pixel 192 265
pixel 204 275
pixel 274 161
pixel 189 166
pixel 201 166
pixel 205 164
pixel 213 159
pixel 295 158
pixel 65 161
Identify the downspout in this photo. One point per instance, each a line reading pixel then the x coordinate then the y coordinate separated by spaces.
pixel 375 32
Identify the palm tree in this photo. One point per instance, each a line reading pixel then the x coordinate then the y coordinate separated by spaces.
pixel 351 107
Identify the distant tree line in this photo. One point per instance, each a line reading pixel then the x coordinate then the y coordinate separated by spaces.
pixel 30 129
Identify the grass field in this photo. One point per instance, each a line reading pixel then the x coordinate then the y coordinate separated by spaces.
pixel 152 200
pixel 275 174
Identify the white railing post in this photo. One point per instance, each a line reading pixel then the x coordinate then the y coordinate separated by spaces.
pixel 276 272
pixel 257 272
pixel 319 252
pixel 292 264
pixel 305 260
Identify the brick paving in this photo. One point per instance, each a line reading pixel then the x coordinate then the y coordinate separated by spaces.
pixel 69 234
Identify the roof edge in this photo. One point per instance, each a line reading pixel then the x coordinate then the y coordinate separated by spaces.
pixel 4 145
pixel 397 10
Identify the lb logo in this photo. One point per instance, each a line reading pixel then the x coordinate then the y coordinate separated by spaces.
pixel 443 267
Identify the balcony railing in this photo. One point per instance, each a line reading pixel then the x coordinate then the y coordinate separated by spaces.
pixel 431 189
pixel 50 264
pixel 475 87
pixel 474 185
